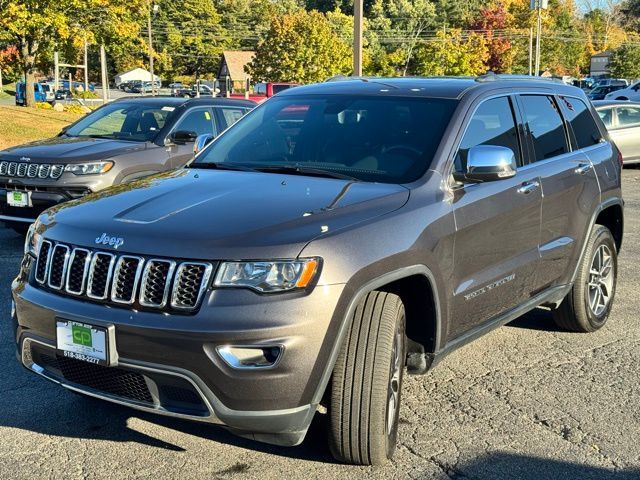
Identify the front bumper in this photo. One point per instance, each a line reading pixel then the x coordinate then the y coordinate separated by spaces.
pixel 179 351
pixel 42 197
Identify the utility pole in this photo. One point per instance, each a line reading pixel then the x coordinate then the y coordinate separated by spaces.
pixel 103 75
pixel 1 86
pixel 538 35
pixel 357 37
pixel 56 72
pixel 153 9
pixel 538 6
pixel 86 65
pixel 530 51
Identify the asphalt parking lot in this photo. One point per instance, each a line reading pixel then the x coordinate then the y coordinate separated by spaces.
pixel 525 402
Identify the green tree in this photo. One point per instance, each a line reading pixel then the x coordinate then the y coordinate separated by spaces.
pixel 625 61
pixel 301 47
pixel 452 53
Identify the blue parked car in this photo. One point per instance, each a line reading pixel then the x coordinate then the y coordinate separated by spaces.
pixel 41 91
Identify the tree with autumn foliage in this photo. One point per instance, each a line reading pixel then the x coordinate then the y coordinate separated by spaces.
pixel 492 22
pixel 452 53
pixel 302 47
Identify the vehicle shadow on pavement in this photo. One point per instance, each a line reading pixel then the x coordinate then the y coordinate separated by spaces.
pixel 537 319
pixel 503 465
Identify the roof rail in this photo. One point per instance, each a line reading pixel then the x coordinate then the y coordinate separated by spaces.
pixel 492 77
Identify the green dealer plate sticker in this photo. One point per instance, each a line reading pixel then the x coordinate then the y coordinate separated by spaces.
pixel 82 342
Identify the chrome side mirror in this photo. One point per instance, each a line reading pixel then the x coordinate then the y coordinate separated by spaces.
pixel 201 142
pixel 486 163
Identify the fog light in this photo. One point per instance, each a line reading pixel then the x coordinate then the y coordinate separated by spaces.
pixel 250 357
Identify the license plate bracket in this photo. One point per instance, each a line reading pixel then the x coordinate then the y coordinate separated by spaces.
pixel 16 198
pixel 85 342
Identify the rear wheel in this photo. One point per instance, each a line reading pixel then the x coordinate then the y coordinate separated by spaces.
pixel 367 382
pixel 587 306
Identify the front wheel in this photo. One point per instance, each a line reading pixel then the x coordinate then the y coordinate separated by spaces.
pixel 367 382
pixel 587 306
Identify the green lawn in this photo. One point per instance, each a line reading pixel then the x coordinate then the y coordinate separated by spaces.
pixel 21 125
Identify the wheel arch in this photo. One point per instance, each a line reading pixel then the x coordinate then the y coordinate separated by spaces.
pixel 612 217
pixel 417 278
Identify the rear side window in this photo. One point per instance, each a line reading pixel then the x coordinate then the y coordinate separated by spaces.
pixel 628 116
pixel 583 126
pixel 493 123
pixel 199 121
pixel 606 115
pixel 545 126
pixel 231 115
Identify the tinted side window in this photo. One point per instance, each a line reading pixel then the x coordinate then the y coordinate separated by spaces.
pixel 492 124
pixel 584 128
pixel 545 126
pixel 628 116
pixel 199 121
pixel 606 115
pixel 231 115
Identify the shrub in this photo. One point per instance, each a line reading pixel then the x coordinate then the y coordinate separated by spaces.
pixel 44 106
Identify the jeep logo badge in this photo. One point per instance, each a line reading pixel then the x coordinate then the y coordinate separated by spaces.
pixel 25 159
pixel 114 242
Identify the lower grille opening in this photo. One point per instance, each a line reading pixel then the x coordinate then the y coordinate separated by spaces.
pixel 150 389
pixel 115 381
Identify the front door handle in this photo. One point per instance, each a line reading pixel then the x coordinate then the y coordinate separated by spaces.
pixel 583 168
pixel 528 187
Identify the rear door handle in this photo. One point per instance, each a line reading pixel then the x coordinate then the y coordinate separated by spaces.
pixel 527 187
pixel 583 168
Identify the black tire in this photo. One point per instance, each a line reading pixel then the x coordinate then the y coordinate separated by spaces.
pixel 369 366
pixel 576 313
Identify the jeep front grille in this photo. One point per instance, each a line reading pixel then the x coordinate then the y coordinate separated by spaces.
pixel 31 170
pixel 153 283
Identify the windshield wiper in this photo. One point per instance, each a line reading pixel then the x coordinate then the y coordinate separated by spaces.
pixel 221 166
pixel 298 170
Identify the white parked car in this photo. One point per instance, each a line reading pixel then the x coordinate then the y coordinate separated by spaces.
pixel 632 92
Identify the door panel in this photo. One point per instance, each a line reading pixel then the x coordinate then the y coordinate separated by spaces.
pixel 496 249
pixel 497 226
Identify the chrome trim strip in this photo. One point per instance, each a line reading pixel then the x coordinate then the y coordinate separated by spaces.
pixel 224 351
pixel 46 268
pixel 7 218
pixel 94 260
pixel 167 283
pixel 136 279
pixel 87 261
pixel 28 362
pixel 203 284
pixel 64 266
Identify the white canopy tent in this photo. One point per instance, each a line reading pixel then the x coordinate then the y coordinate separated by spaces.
pixel 134 75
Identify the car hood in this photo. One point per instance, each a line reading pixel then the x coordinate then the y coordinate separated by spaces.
pixel 71 150
pixel 206 214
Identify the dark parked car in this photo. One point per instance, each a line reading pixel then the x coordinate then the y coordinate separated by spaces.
pixel 205 91
pixel 63 94
pixel 120 142
pixel 335 235
pixel 599 93
pixel 622 119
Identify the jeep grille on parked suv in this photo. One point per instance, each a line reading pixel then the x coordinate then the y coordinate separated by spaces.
pixel 31 170
pixel 122 279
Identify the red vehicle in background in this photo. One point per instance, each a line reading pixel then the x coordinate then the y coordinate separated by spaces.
pixel 262 91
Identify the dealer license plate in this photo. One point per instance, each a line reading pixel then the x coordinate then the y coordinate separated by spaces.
pixel 19 199
pixel 82 342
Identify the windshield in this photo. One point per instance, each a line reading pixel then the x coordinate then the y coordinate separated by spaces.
pixel 124 121
pixel 375 139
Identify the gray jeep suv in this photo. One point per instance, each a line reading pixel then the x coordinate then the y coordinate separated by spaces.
pixel 119 142
pixel 335 235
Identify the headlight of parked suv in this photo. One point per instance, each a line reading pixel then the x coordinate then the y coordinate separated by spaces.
pixel 268 276
pixel 33 240
pixel 92 168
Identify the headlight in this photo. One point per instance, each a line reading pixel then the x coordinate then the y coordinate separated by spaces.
pixel 33 240
pixel 93 168
pixel 268 276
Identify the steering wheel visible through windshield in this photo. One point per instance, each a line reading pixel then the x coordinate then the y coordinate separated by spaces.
pixel 123 121
pixel 368 138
